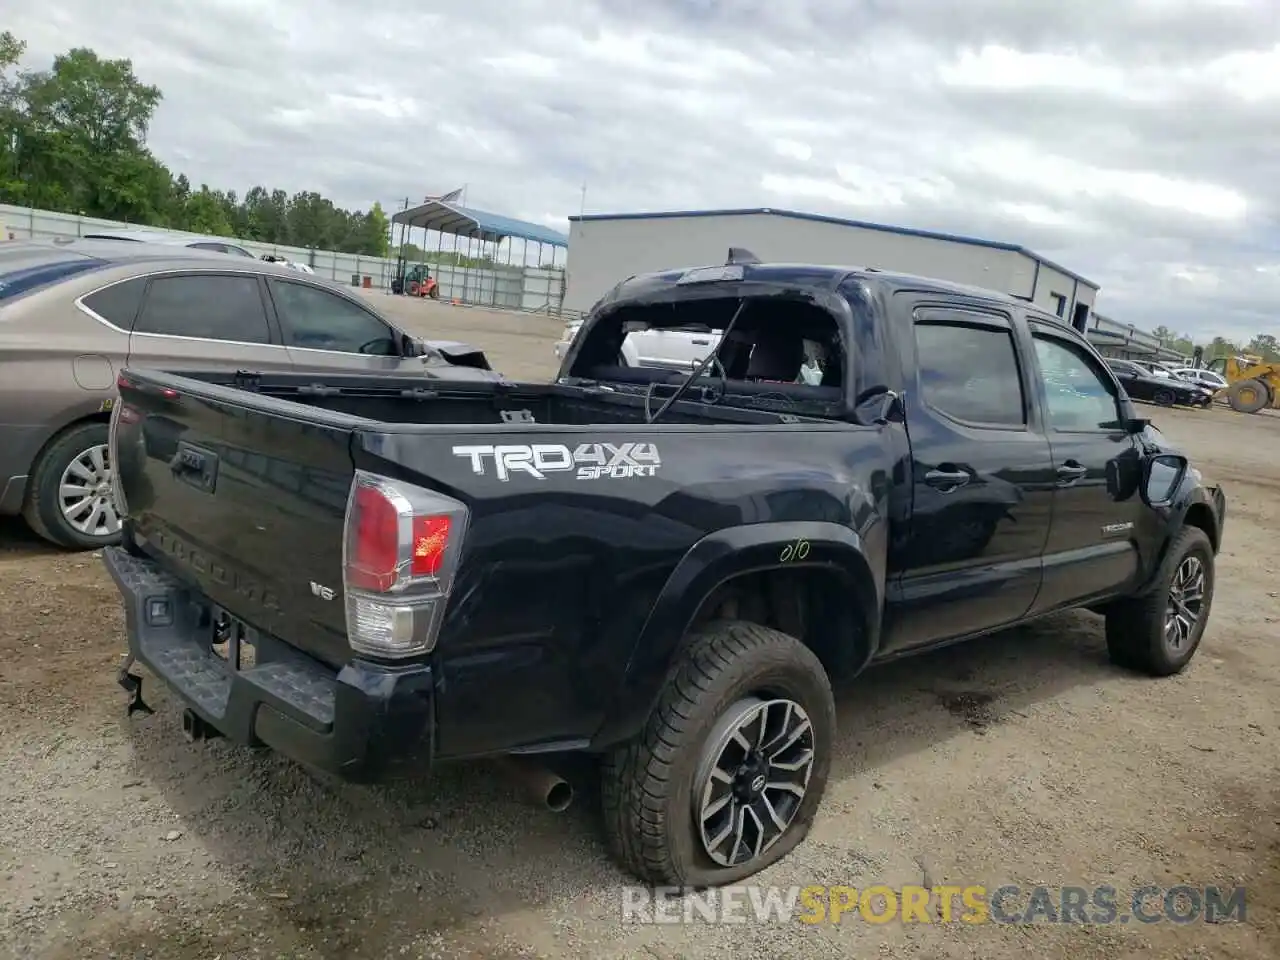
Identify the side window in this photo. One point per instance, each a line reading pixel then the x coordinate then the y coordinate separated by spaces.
pixel 215 247
pixel 969 372
pixel 214 307
pixel 118 304
pixel 319 320
pixel 1080 396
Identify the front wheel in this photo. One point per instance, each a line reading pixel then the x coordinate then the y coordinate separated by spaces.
pixel 1159 632
pixel 1164 398
pixel 729 771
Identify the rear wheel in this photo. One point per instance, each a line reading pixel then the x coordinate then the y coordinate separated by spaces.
pixel 729 771
pixel 70 501
pixel 1164 398
pixel 1247 396
pixel 1159 632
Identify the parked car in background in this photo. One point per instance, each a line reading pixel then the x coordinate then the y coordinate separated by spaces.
pixel 675 349
pixel 1167 390
pixel 683 348
pixel 1206 378
pixel 1152 367
pixel 286 262
pixel 211 244
pixel 73 314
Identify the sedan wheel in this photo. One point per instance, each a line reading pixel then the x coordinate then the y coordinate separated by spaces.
pixel 84 494
pixel 1164 398
pixel 70 500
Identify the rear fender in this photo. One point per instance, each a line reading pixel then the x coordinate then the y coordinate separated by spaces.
pixel 719 557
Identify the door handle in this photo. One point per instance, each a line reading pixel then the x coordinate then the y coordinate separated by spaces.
pixel 1071 471
pixel 947 480
pixel 701 343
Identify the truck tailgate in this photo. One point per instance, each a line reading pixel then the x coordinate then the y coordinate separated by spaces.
pixel 242 496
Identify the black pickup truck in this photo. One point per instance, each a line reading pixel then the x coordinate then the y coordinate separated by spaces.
pixel 665 570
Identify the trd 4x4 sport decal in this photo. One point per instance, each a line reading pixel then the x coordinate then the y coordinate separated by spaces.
pixel 592 461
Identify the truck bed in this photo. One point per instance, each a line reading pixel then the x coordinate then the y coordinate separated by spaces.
pixel 242 495
pixel 407 401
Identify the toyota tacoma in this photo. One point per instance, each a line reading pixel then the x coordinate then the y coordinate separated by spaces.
pixel 663 569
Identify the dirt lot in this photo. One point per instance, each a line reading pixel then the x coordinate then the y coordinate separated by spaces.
pixel 1023 759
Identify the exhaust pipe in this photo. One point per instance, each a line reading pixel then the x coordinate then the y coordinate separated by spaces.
pixel 541 785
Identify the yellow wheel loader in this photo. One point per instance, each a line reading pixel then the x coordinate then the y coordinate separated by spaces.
pixel 1252 382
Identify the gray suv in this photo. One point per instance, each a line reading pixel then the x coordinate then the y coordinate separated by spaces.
pixel 73 314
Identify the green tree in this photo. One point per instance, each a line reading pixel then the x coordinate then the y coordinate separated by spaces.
pixel 376 232
pixel 1220 347
pixel 1265 346
pixel 73 139
pixel 12 121
pixel 206 212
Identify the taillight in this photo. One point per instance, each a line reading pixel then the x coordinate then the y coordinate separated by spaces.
pixel 374 526
pixel 400 552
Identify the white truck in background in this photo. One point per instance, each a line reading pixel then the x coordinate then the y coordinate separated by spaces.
pixel 679 348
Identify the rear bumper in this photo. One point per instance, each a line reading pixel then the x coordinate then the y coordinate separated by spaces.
pixel 364 722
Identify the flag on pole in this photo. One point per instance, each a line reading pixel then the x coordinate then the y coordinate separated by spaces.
pixel 450 197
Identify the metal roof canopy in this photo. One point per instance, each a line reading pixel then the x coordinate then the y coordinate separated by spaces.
pixel 476 224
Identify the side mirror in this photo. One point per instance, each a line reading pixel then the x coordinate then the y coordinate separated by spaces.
pixel 1135 425
pixel 1161 475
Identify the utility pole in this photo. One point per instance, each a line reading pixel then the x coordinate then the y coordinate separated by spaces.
pixel 582 209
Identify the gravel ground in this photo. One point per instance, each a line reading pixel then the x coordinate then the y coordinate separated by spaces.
pixel 1023 758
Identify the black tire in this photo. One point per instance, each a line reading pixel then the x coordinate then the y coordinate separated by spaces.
pixel 435 293
pixel 648 783
pixel 1248 396
pixel 43 510
pixel 1164 398
pixel 1136 627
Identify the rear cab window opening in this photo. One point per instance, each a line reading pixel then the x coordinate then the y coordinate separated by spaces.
pixel 784 353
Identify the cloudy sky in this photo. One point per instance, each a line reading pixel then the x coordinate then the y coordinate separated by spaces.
pixel 1134 141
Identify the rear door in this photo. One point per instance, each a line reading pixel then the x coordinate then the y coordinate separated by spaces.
pixel 205 320
pixel 982 480
pixel 1091 550
pixel 322 330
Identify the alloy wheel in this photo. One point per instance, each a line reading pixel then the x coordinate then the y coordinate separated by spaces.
pixel 752 778
pixel 1186 603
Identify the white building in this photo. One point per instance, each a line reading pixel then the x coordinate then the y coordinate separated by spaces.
pixel 607 248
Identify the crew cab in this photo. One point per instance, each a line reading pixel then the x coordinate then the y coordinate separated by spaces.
pixel 665 570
